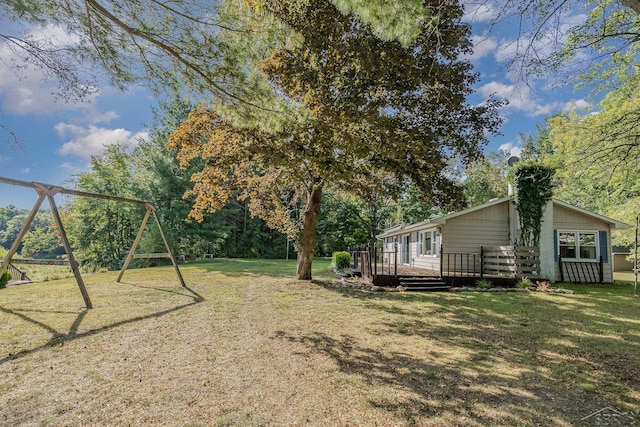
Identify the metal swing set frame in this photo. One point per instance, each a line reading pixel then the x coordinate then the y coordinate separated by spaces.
pixel 48 191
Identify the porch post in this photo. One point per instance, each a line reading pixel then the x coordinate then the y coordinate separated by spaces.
pixel 395 260
pixel 375 261
pixel 601 270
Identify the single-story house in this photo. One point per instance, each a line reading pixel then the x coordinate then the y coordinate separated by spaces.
pixel 575 236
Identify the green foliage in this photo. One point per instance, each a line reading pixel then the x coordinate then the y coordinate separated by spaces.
pixel 401 20
pixel 344 222
pixel 43 242
pixel 596 157
pixel 341 260
pixel 160 180
pixel 484 284
pixel 524 283
pixel 4 278
pixel 534 184
pixel 413 206
pixel 102 231
pixel 13 219
pixel 485 179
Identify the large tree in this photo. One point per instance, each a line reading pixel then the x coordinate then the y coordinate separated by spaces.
pixel 360 104
pixel 597 156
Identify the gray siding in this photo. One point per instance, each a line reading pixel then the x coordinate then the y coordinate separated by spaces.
pixel 485 227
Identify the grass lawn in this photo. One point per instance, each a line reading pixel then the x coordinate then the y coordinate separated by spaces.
pixel 247 345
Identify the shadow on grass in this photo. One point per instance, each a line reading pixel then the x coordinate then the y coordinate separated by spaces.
pixel 59 338
pixel 193 294
pixel 497 359
pixel 415 390
pixel 235 267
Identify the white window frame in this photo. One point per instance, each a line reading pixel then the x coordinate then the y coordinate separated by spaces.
pixel 429 243
pixel 576 236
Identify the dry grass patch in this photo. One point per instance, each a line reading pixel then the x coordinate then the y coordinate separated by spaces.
pixel 247 345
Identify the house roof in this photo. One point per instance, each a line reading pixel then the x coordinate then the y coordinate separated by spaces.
pixel 433 222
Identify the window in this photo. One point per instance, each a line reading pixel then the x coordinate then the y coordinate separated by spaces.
pixel 580 245
pixel 587 245
pixel 427 243
pixel 430 243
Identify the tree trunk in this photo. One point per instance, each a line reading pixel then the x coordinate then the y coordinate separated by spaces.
pixel 308 240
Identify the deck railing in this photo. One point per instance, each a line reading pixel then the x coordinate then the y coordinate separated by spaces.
pixel 362 263
pixel 581 271
pixel 501 261
pixel 460 264
pixel 491 261
pixel 17 275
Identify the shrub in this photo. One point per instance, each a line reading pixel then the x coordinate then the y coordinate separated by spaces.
pixel 524 283
pixel 543 285
pixel 341 260
pixel 4 279
pixel 484 284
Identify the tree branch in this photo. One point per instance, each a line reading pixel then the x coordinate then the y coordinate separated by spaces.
pixel 172 52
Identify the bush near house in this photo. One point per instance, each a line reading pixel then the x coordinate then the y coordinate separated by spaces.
pixel 341 260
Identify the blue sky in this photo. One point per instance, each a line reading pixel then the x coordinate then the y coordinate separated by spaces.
pixel 58 138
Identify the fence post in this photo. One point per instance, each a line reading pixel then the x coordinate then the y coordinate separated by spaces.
pixel 481 262
pixel 441 261
pixel 560 267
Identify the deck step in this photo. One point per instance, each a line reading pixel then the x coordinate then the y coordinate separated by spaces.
pixel 424 284
pixel 428 288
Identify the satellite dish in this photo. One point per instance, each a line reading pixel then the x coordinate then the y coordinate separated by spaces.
pixel 513 160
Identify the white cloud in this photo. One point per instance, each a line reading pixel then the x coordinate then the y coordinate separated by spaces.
pixel 26 171
pixel 25 88
pixel 579 105
pixel 476 12
pixel 511 148
pixel 69 167
pixel 519 97
pixel 92 140
pixel 482 47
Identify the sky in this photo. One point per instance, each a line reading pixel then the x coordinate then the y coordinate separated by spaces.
pixel 57 138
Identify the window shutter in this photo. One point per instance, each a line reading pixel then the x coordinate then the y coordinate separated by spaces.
pixel 555 245
pixel 604 246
